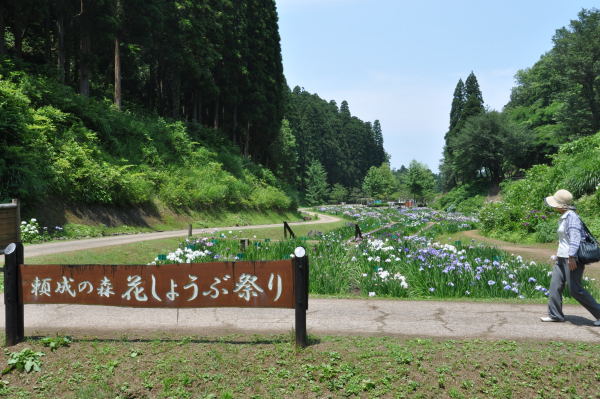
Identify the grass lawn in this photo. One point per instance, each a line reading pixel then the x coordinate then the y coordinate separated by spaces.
pixel 145 251
pixel 331 367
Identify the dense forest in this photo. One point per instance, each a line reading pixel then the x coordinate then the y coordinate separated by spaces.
pixel 554 102
pixel 343 144
pixel 546 138
pixel 123 101
pixel 216 62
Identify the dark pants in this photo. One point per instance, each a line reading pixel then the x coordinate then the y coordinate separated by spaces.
pixel 561 274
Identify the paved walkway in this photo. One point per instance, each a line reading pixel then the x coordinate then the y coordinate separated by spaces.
pixel 77 245
pixel 443 319
pixel 448 320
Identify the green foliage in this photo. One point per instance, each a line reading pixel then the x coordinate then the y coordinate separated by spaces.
pixel 419 181
pixel 316 184
pixel 56 342
pixel 345 146
pixel 558 97
pixel 216 63
pixel 379 182
pixel 25 360
pixel 574 168
pixel 489 146
pixel 58 144
pixel 338 193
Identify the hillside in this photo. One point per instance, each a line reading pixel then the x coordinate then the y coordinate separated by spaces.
pixel 60 148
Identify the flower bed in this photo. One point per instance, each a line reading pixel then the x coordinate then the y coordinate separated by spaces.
pixel 402 260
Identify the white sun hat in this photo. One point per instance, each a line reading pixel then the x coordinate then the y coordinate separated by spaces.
pixel 561 199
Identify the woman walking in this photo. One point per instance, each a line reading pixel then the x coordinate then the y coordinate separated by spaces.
pixel 568 269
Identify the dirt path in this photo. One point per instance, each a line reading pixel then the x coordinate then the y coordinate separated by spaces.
pixel 537 252
pixel 77 245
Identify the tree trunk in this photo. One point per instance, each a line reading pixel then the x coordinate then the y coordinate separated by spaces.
pixel 235 123
pixel 117 74
pixel 199 105
pixel 2 31
pixel 216 119
pixel 175 96
pixel 84 67
pixel 18 33
pixel 194 107
pixel 119 15
pixel 84 53
pixel 247 141
pixel 60 60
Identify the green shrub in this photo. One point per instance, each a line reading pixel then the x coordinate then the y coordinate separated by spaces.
pixel 57 143
pixel 546 231
pixel 466 198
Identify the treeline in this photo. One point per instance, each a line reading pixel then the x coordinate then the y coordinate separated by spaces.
pixel 169 95
pixel 345 146
pixel 53 150
pixel 555 101
pixel 214 62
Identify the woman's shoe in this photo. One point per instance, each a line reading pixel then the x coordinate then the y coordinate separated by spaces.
pixel 551 319
pixel 597 323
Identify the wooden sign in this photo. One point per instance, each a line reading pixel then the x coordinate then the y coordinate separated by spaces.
pixel 9 223
pixel 279 284
pixel 217 284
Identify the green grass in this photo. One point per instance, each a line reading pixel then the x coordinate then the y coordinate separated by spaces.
pixel 171 221
pixel 276 233
pixel 134 253
pixel 145 251
pixel 271 367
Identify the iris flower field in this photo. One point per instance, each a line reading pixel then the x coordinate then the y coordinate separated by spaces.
pixel 400 258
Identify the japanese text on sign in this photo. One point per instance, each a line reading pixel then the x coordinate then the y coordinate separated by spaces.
pixel 260 284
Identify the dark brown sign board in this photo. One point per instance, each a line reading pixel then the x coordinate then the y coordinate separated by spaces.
pixel 9 223
pixel 280 283
pixel 217 284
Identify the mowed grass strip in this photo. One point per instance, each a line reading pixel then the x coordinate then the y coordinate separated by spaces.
pixel 145 251
pixel 271 367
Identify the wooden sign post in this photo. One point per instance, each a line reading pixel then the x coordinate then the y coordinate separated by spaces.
pixel 10 219
pixel 274 284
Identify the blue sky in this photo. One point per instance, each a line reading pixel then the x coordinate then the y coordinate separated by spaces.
pixel 399 61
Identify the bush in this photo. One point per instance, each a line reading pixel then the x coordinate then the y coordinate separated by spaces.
pixel 56 143
pixel 467 198
pixel 546 231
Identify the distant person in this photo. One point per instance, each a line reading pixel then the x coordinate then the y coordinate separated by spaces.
pixel 568 268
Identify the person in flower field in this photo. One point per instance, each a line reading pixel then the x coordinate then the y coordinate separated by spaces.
pixel 568 269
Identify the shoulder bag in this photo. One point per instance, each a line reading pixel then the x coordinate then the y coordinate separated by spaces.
pixel 589 251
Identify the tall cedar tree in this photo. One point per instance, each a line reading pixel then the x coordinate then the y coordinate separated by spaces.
pixel 473 98
pixel 213 62
pixel 466 103
pixel 344 145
